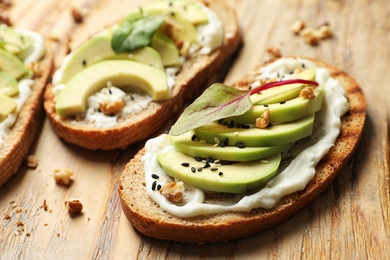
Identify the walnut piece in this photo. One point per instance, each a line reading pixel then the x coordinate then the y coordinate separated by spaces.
pixel 324 31
pixel 297 27
pixel 275 52
pixel 32 162
pixel 264 120
pixel 63 177
pixel 307 93
pixel 309 36
pixel 173 191
pixel 77 14
pixel 110 107
pixel 74 206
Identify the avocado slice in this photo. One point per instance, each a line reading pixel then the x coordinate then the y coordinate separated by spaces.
pixel 98 48
pixel 12 65
pixel 239 177
pixel 186 145
pixel 189 10
pixel 270 136
pixel 126 74
pixel 8 84
pixel 285 92
pixel 167 49
pixel 7 106
pixel 13 41
pixel 288 111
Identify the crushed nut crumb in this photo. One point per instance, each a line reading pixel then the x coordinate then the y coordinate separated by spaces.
pixel 109 107
pixel 74 206
pixel 32 161
pixel 77 14
pixel 309 37
pixel 324 31
pixel 264 120
pixel 173 191
pixel 19 224
pixel 307 93
pixel 275 52
pixel 7 216
pixel 44 205
pixel 63 177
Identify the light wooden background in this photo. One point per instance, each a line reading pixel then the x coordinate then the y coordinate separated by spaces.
pixel 351 220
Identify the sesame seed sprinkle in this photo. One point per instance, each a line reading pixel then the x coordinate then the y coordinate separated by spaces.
pixel 185 164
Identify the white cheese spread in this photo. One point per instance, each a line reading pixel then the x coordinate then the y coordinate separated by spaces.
pixel 33 54
pixel 292 178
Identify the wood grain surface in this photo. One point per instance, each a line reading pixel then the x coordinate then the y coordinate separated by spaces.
pixel 351 220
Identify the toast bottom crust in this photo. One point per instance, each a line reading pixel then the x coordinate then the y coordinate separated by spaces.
pixel 145 215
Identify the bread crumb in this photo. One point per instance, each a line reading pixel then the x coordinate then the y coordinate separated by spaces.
pixel 275 52
pixel 46 224
pixel 74 206
pixel 63 177
pixel 28 234
pixel 19 224
pixel 19 210
pixel 32 161
pixel 44 205
pixel 7 216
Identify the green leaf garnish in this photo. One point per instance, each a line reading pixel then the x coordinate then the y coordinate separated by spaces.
pixel 135 33
pixel 216 102
pixel 220 101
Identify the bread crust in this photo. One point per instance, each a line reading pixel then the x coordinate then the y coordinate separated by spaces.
pixel 192 78
pixel 149 219
pixel 18 141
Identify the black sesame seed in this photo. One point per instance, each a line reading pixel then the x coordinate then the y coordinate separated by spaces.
pixel 99 110
pixel 239 125
pixel 200 169
pixel 185 164
pixel 226 141
pixel 220 173
pixel 155 176
pixel 159 187
pixel 112 114
pixel 303 65
pixel 246 126
pixel 210 160
pixel 231 124
pixel 154 184
pixel 109 91
pixel 193 138
pixel 197 158
pixel 214 169
pixel 240 145
pixel 265 105
pixel 220 121
pixel 193 169
pixel 132 98
pixel 84 62
pixel 207 165
pixel 282 102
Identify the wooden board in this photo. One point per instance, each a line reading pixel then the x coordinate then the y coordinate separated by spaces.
pixel 351 220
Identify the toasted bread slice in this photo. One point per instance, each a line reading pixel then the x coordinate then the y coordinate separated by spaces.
pixel 148 218
pixel 18 141
pixel 191 79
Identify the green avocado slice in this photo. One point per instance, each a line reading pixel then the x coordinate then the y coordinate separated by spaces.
pixel 13 41
pixel 288 111
pixel 126 74
pixel 234 178
pixel 270 136
pixel 8 84
pixel 7 106
pixel 186 145
pixel 12 65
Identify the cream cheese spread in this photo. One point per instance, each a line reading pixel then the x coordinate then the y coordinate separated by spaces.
pixel 210 37
pixel 32 55
pixel 293 177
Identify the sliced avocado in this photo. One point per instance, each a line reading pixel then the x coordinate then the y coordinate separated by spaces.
pixel 270 136
pixel 7 106
pixel 167 49
pixel 98 48
pixel 189 10
pixel 288 111
pixel 126 74
pixel 285 92
pixel 8 84
pixel 186 145
pixel 13 41
pixel 12 65
pixel 234 178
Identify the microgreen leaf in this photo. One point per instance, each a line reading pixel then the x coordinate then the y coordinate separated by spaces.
pixel 218 101
pixel 135 33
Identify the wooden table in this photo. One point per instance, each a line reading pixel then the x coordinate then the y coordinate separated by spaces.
pixel 351 220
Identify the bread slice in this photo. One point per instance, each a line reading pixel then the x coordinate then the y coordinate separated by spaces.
pixel 191 79
pixel 18 141
pixel 149 219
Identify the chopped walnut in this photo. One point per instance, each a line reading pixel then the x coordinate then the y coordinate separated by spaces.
pixel 63 177
pixel 264 120
pixel 32 161
pixel 74 206
pixel 173 191
pixel 110 107
pixel 275 52
pixel 309 36
pixel 77 14
pixel 297 27
pixel 267 80
pixel 7 216
pixel 307 93
pixel 324 31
